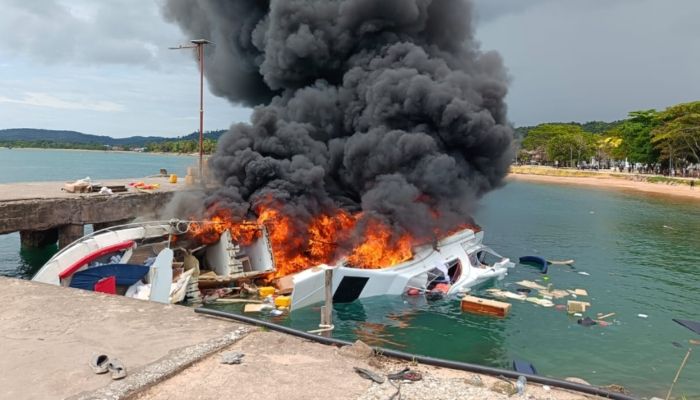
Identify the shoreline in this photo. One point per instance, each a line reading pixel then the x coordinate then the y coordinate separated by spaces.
pixel 159 153
pixel 610 182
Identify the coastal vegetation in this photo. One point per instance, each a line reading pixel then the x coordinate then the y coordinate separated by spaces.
pixel 658 141
pixel 181 146
pixel 56 139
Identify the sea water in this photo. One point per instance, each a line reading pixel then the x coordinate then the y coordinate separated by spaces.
pixel 641 254
pixel 634 254
pixel 38 165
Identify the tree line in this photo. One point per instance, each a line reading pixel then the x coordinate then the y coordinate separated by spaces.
pixel 181 146
pixel 665 141
pixel 50 144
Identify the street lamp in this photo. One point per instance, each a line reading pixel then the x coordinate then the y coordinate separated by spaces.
pixel 199 45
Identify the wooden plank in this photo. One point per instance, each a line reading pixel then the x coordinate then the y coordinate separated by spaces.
pixel 285 285
pixel 477 305
pixel 253 307
pixel 577 306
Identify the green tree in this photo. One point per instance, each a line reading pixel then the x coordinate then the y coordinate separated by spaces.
pixel 565 143
pixel 677 135
pixel 635 132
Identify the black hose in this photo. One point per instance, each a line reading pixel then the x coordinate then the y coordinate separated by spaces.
pixel 423 359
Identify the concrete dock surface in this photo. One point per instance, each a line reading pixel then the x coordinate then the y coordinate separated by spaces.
pixel 52 190
pixel 48 334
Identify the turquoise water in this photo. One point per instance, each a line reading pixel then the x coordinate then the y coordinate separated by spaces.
pixel 642 253
pixel 34 165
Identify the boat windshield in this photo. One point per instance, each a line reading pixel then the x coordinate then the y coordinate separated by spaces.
pixel 484 257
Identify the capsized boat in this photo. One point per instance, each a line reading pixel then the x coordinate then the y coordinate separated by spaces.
pixel 451 266
pixel 154 261
pixel 159 261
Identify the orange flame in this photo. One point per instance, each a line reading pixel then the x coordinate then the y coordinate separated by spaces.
pixel 380 248
pixel 326 239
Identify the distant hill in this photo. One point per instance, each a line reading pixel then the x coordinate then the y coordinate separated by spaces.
pixel 72 137
pixel 591 126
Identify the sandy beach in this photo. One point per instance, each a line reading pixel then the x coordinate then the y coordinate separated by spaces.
pixel 614 183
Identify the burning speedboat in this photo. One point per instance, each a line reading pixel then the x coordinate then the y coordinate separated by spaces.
pixel 450 267
pixel 169 261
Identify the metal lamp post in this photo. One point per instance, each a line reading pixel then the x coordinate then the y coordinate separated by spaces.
pixel 199 45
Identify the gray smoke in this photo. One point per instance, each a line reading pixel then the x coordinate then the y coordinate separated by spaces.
pixel 388 107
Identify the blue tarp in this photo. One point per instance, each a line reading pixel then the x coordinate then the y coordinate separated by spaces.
pixel 126 275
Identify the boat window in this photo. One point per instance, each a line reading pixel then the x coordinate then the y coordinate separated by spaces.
pixel 487 258
pixel 454 270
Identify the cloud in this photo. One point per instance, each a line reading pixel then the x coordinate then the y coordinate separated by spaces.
pixel 489 10
pixel 48 101
pixel 125 32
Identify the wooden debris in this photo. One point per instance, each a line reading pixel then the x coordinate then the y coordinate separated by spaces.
pixel 531 285
pixel 602 317
pixel 481 306
pixel 504 294
pixel 285 285
pixel 577 306
pixel 540 302
pixel 556 293
pixel 237 301
pixel 253 308
pixel 561 262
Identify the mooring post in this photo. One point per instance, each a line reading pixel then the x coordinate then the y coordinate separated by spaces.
pixel 38 239
pixel 68 234
pixel 327 309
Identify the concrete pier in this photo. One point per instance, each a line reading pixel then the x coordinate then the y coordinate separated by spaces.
pixel 44 214
pixel 49 333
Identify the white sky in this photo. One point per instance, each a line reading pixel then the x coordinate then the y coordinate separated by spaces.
pixel 104 68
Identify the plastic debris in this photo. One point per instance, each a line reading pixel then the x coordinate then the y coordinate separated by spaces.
pixel 584 273
pixel 643 316
pixel 276 313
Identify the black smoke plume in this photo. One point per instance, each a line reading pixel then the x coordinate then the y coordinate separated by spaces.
pixel 383 106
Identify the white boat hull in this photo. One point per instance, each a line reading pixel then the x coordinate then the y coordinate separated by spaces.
pixel 349 284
